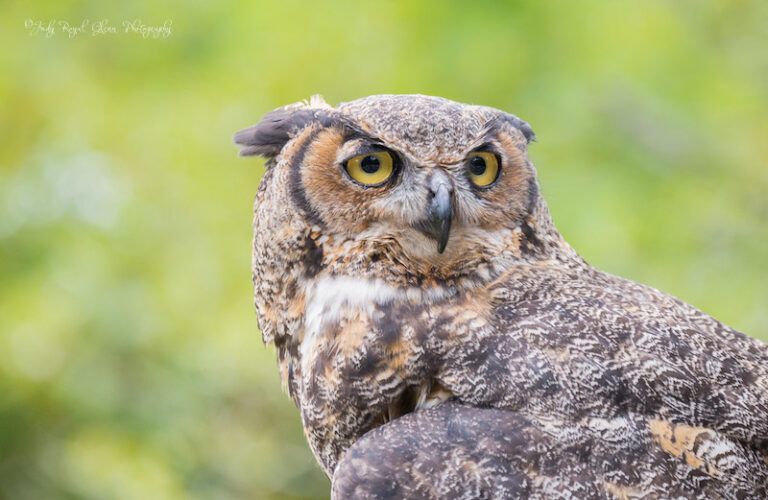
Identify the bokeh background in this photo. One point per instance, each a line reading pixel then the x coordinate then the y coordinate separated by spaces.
pixel 131 365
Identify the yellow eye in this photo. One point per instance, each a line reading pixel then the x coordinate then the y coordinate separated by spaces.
pixel 371 169
pixel 482 168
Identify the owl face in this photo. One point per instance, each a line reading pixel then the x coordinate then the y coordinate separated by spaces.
pixel 379 190
pixel 438 180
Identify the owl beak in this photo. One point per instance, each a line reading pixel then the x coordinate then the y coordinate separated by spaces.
pixel 440 213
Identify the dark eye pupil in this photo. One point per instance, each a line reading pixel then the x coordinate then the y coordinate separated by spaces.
pixel 477 165
pixel 370 164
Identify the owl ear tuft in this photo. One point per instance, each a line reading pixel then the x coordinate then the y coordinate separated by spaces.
pixel 268 137
pixel 522 126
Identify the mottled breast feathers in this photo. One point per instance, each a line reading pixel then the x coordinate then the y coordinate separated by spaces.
pixel 442 340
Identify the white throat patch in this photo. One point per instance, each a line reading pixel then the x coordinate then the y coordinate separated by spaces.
pixel 329 295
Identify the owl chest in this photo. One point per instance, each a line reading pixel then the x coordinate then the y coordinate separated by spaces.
pixel 369 354
pixel 366 345
pixel 362 342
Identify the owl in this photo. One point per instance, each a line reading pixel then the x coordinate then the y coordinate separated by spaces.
pixel 442 340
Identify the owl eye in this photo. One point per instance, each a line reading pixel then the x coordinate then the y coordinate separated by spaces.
pixel 482 168
pixel 370 169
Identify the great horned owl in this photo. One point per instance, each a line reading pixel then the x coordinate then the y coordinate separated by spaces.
pixel 442 340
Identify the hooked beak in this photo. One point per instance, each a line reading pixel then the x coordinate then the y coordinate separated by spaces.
pixel 437 224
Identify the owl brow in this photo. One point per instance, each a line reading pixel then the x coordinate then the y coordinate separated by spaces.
pixel 370 145
pixel 352 132
pixel 489 144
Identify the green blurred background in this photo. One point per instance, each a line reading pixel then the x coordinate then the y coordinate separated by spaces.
pixel 131 365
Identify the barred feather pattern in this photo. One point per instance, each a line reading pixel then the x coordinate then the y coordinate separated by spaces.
pixel 505 367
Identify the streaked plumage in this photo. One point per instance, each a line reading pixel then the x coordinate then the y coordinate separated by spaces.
pixel 502 366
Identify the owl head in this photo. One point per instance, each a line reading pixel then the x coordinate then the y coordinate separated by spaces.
pixel 406 181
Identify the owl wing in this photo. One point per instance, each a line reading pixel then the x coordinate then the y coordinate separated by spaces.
pixel 578 384
pixel 585 343
pixel 457 451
